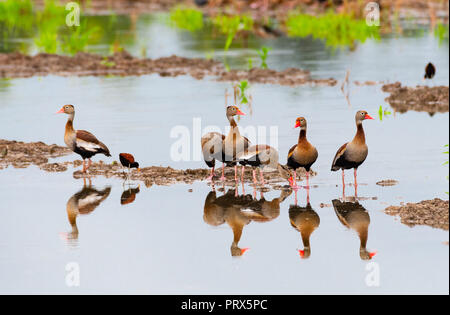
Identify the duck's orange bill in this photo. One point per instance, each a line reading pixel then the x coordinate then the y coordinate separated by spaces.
pixel 139 170
pixel 239 112
pixel 61 111
pixel 243 250
pixel 302 253
pixel 291 181
pixel 372 254
pixel 368 117
pixel 297 124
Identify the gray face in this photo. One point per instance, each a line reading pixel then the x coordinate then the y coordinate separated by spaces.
pixel 361 115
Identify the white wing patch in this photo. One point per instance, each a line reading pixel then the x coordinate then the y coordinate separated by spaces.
pixel 88 146
pixel 89 200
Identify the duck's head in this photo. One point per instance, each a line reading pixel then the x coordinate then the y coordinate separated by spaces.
pixel 233 111
pixel 67 109
pixel 362 115
pixel 300 122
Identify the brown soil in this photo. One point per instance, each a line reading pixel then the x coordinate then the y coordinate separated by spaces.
pixel 22 155
pixel 420 98
pixel 433 213
pixel 17 65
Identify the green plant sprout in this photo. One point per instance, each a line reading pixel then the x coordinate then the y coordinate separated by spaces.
pixel 231 25
pixel 441 31
pixel 107 63
pixel 250 63
pixel 241 91
pixel 383 112
pixel 446 152
pixel 187 19
pixel 338 30
pixel 263 54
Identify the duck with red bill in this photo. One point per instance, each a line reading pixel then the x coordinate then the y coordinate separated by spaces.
pixel 352 154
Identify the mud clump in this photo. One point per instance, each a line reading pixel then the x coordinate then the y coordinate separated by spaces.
pixel 17 65
pixel 22 155
pixel 420 98
pixel 433 213
pixel 165 176
pixel 387 182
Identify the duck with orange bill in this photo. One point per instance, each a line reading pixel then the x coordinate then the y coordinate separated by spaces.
pixel 216 146
pixel 303 154
pixel 352 154
pixel 127 160
pixel 81 142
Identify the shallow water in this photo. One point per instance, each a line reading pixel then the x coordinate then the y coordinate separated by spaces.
pixel 161 243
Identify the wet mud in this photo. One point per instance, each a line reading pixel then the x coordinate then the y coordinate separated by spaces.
pixel 18 65
pixel 432 213
pixel 22 155
pixel 431 99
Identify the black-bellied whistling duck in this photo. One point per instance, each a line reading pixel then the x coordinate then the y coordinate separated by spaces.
pixel 81 142
pixel 83 202
pixel 430 71
pixel 306 221
pixel 129 195
pixel 353 153
pixel 303 154
pixel 354 216
pixel 225 149
pixel 262 157
pixel 127 160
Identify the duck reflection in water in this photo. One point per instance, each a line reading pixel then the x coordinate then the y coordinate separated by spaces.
pixel 129 195
pixel 306 221
pixel 355 217
pixel 83 202
pixel 238 211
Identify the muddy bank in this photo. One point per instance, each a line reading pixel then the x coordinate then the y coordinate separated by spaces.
pixel 22 155
pixel 420 98
pixel 387 182
pixel 433 213
pixel 17 65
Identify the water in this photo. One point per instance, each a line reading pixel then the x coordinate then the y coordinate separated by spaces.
pixel 160 243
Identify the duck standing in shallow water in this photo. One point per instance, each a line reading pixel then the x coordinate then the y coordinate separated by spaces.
pixel 127 160
pixel 430 71
pixel 303 154
pixel 81 142
pixel 352 154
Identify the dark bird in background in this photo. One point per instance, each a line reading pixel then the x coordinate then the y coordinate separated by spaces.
pixel 81 142
pixel 430 71
pixel 127 160
pixel 201 3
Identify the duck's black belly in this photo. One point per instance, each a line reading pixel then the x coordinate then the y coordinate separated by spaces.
pixel 291 163
pixel 85 154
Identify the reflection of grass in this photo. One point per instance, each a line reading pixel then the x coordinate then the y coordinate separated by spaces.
pixel 263 54
pixel 383 112
pixel 336 29
pixel 187 19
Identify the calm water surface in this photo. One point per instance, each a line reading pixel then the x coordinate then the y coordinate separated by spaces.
pixel 165 241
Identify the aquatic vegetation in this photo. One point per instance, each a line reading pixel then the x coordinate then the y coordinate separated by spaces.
pixel 231 25
pixel 338 30
pixel 441 32
pixel 241 91
pixel 446 152
pixel 187 19
pixel 107 63
pixel 383 112
pixel 263 54
pixel 15 17
pixel 250 63
pixel 47 42
pixel 78 38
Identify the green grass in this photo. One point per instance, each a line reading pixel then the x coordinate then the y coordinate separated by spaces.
pixel 231 25
pixel 441 32
pixel 337 30
pixel 187 19
pixel 263 54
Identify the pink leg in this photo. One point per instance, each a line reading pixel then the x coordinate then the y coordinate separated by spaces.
pixel 242 173
pixel 307 195
pixel 307 179
pixel 296 200
pixel 295 181
pixel 356 184
pixel 89 164
pixel 255 181
pixel 354 174
pixel 261 175
pixel 84 166
pixel 223 172
pixel 211 176
pixel 343 186
pixel 235 173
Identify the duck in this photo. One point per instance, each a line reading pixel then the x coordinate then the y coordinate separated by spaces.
pixel 129 195
pixel 430 71
pixel 81 142
pixel 355 217
pixel 303 154
pixel 352 154
pixel 216 146
pixel 262 157
pixel 83 202
pixel 306 221
pixel 127 160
